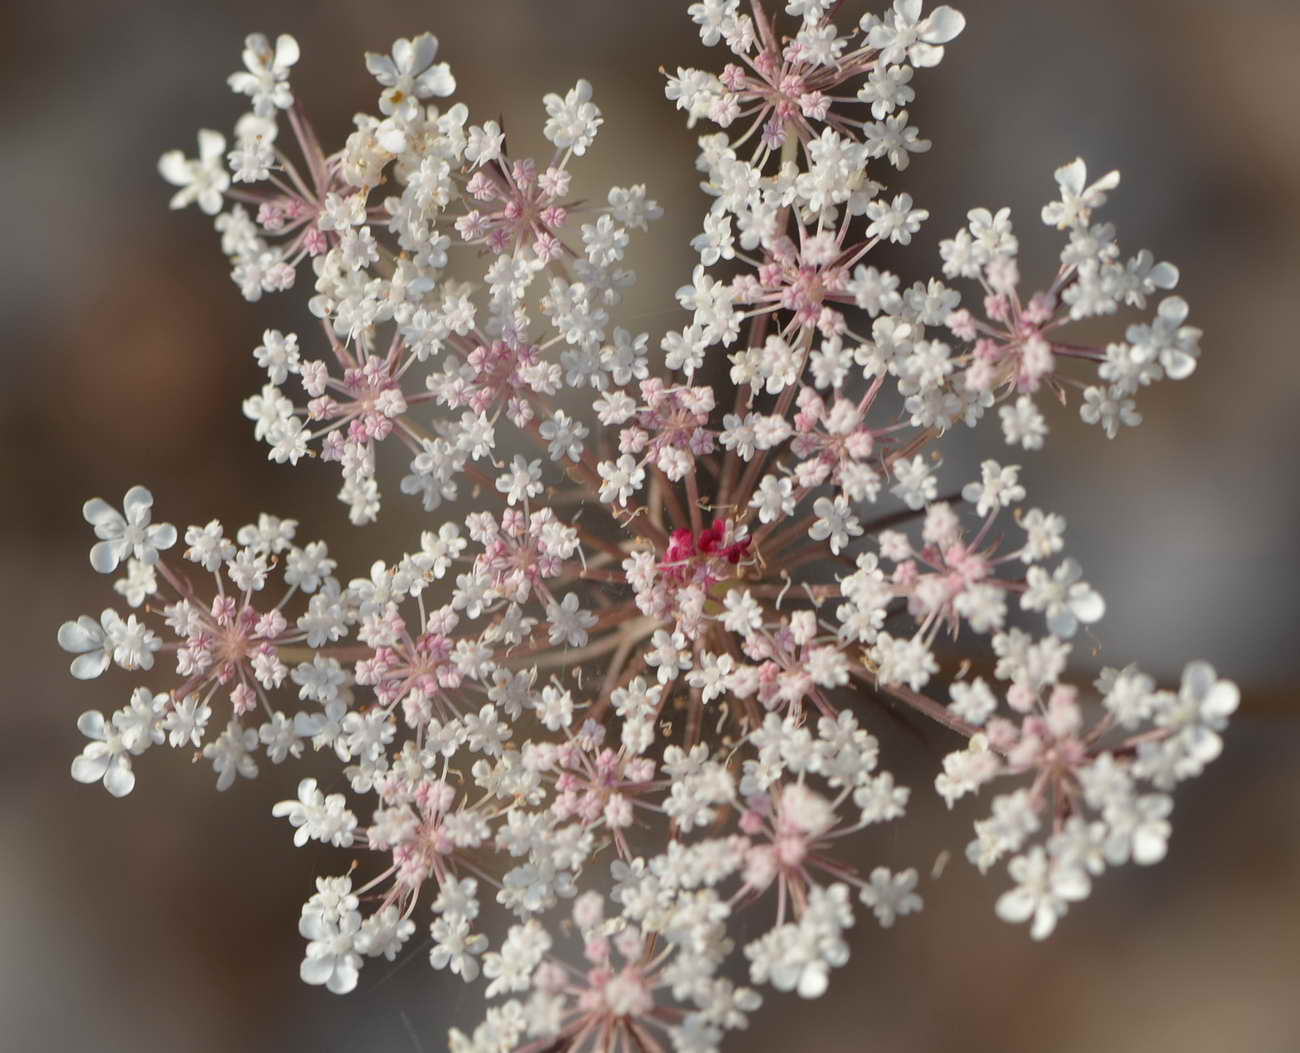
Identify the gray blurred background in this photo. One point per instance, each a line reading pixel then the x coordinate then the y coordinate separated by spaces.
pixel 167 921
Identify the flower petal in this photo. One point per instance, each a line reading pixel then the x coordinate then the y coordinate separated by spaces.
pixel 943 25
pixel 119 780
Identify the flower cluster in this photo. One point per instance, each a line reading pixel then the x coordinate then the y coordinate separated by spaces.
pixel 628 697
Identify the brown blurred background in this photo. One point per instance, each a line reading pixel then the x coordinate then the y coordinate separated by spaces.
pixel 167 921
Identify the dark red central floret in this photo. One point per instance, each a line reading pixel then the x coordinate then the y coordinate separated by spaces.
pixel 689 556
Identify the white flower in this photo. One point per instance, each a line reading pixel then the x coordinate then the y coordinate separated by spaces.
pixel 232 755
pixel 139 584
pixel 572 120
pixel 1138 828
pixel 1077 200
pixel 91 642
pixel 266 77
pixel 1022 424
pixel 140 722
pixel 999 488
pixel 620 480
pixel 186 721
pixel 1045 889
pixel 1065 600
pixel 522 952
pixel 455 948
pixel 564 435
pixel 384 933
pixel 669 654
pixel 741 613
pixel 916 483
pixel 1044 534
pixel 569 623
pixel 278 355
pixel 203 180
pixel 891 895
pixel 972 701
pixel 126 533
pixel 773 498
pixel 316 816
pixel 834 521
pixel 904 34
pixel 903 661
pixel 521 481
pixel 105 758
pixel 1166 339
pixel 409 74
pixel 1201 712
pixel 896 220
pixel 1105 407
pixel 485 142
pixel 332 958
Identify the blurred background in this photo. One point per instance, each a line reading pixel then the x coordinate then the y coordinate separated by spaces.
pixel 167 921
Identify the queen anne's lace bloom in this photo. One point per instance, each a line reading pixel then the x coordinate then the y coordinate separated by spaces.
pixel 659 638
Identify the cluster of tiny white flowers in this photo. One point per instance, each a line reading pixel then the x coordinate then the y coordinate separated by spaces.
pixel 654 662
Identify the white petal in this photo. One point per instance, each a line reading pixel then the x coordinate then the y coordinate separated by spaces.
pixel 1199 679
pixel 138 500
pixel 1087 605
pixel 211 146
pixel 119 780
pixel 813 981
pixel 97 510
pixel 89 666
pixel 286 50
pixel 1178 365
pixel 437 80
pixel 423 49
pixel 943 25
pixel 382 69
pixel 162 536
pixel 82 635
pixel 91 724
pixel 1203 744
pixel 391 138
pixel 89 769
pixel 344 978
pixel 103 557
pixel 1071 177
pixel 1015 906
pixel 908 11
pixel 1107 182
pixel 310 927
pixel 1173 309
pixel 1163 275
pixel 1071 883
pixel 403 55
pixel 1149 847
pixel 173 167
pixel 1221 700
pixel 925 55
pixel 1044 922
pixel 243 83
pixel 210 201
pixel 316 970
pixel 1063 624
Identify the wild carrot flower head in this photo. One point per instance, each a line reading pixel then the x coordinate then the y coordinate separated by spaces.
pixel 616 705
